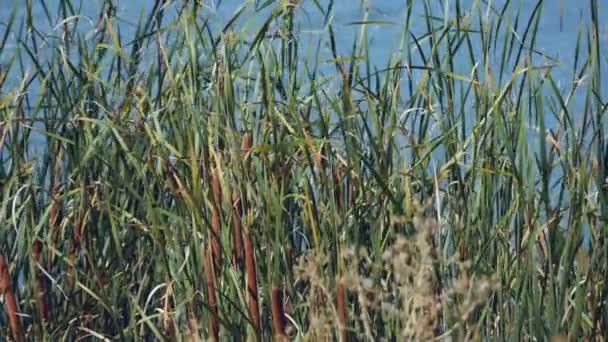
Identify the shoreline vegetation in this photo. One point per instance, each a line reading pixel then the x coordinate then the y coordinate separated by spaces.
pixel 207 182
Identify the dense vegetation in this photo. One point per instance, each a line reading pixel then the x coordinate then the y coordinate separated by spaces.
pixel 217 181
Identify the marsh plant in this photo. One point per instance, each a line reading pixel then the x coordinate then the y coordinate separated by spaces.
pixel 228 178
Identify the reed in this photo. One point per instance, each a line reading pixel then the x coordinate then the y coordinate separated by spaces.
pixel 278 314
pixel 237 231
pixel 10 302
pixel 341 308
pixel 216 224
pixel 178 173
pixel 41 288
pixel 212 305
pixel 252 282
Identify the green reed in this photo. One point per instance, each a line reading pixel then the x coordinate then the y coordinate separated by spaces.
pixel 243 180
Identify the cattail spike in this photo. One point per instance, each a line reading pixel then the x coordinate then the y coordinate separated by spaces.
pixel 10 302
pixel 252 283
pixel 41 300
pixel 216 189
pixel 237 231
pixel 278 314
pixel 214 326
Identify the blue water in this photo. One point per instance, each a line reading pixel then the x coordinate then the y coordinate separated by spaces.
pixel 558 29
pixel 559 25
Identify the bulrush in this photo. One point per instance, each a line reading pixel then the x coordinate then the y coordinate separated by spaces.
pixel 41 300
pixel 216 190
pixel 278 314
pixel 246 144
pixel 252 282
pixel 337 180
pixel 54 218
pixel 250 266
pixel 10 302
pixel 341 307
pixel 237 231
pixel 168 325
pixel 55 208
pixel 214 326
pixel 74 249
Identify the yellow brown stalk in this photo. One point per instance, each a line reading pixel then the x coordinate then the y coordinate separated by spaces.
pixel 341 307
pixel 10 302
pixel 192 333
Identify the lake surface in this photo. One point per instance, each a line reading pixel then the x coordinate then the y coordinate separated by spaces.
pixel 559 25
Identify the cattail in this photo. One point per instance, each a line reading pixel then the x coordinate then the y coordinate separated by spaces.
pixel 10 302
pixel 41 301
pixel 252 283
pixel 278 314
pixel 76 243
pixel 192 334
pixel 237 237
pixel 55 209
pixel 54 218
pixel 210 275
pixel 168 324
pixel 336 177
pixel 250 267
pixel 216 190
pixel 341 307
pixel 246 144
pixel 354 192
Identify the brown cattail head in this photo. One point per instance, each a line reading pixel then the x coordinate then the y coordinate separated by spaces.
pixel 214 326
pixel 10 302
pixel 54 213
pixel 354 191
pixel 337 180
pixel 246 144
pixel 41 300
pixel 341 307
pixel 168 324
pixel 216 190
pixel 278 314
pixel 215 238
pixel 77 234
pixel 36 250
pixel 252 283
pixel 237 231
pixel 75 247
